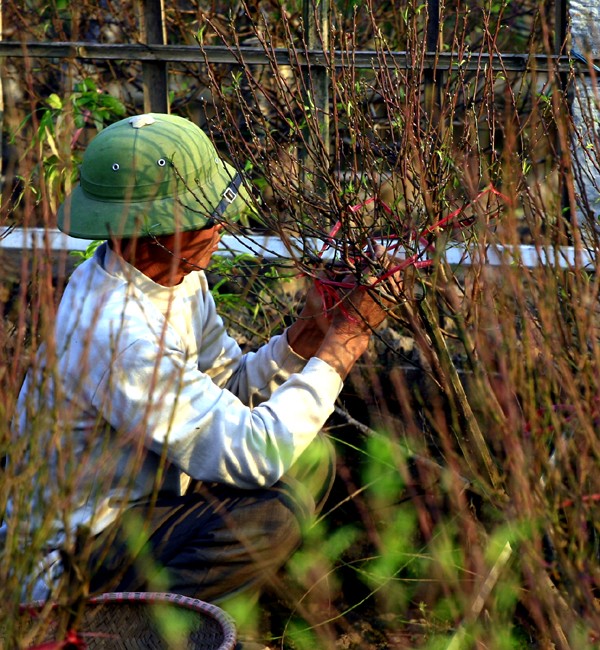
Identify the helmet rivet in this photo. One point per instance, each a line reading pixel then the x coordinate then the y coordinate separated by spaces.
pixel 115 167
pixel 161 162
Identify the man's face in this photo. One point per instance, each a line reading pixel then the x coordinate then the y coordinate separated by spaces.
pixel 166 259
pixel 196 247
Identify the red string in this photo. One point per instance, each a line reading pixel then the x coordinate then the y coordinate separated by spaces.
pixel 442 223
pixel 414 260
pixel 326 286
pixel 586 498
pixel 330 237
pixel 72 641
pixel 330 298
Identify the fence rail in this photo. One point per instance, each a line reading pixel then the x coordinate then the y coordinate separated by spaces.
pixel 214 54
pixel 270 247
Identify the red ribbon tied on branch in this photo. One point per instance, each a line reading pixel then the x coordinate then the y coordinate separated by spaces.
pixel 328 287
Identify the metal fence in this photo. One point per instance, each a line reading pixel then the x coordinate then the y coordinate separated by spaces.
pixel 155 55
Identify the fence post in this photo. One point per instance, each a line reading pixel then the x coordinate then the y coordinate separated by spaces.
pixel 432 77
pixel 316 26
pixel 156 88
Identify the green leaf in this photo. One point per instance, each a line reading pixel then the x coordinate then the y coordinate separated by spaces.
pixel 54 101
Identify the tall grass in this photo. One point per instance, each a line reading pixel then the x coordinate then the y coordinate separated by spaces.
pixel 464 514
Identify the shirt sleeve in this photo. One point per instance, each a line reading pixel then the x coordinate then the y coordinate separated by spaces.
pixel 207 430
pixel 258 374
pixel 252 376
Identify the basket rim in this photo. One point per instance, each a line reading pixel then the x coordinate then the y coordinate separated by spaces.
pixel 195 604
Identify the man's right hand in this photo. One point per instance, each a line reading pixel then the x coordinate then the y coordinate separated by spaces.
pixel 352 323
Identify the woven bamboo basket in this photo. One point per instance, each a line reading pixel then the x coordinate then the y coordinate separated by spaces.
pixel 132 621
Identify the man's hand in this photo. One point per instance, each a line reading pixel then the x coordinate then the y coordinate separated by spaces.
pixel 350 331
pixel 315 308
pixel 306 334
pixel 352 323
pixel 336 325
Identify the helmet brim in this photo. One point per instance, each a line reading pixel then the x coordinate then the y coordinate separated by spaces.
pixel 191 208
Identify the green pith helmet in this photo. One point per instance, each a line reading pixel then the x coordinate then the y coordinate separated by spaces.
pixel 151 174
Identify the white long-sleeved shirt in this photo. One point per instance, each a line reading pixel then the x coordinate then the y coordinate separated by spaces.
pixel 145 385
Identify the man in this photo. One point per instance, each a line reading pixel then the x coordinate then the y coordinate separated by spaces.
pixel 180 462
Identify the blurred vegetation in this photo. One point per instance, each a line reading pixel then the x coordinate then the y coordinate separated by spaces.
pixel 466 506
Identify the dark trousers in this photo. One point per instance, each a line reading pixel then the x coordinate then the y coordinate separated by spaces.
pixel 214 541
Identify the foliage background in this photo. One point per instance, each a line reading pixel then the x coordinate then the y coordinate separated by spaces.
pixel 465 510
